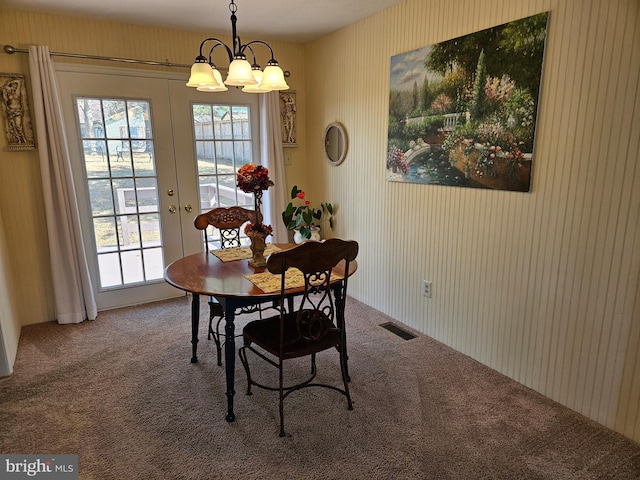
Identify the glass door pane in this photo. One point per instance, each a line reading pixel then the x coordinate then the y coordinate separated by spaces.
pixel 215 136
pixel 222 143
pixel 118 159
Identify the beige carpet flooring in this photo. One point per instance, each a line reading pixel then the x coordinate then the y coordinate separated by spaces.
pixel 121 393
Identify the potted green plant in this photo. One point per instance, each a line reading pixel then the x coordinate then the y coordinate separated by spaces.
pixel 301 217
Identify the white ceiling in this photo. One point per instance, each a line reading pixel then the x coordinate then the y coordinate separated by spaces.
pixel 296 21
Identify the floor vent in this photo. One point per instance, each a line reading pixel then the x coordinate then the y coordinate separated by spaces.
pixel 393 328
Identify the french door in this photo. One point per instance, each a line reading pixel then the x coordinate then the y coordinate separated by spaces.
pixel 140 147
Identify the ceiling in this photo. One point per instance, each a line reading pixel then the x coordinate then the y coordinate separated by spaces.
pixel 295 21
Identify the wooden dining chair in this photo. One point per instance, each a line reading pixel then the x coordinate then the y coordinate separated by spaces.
pixel 228 221
pixel 314 325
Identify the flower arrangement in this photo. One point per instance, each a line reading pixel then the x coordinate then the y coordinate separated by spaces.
pixel 252 177
pixel 395 160
pixel 255 179
pixel 304 217
pixel 259 228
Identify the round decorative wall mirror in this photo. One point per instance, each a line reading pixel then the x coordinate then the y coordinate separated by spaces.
pixel 335 143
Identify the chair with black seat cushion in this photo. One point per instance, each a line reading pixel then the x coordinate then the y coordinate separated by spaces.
pixel 228 221
pixel 314 325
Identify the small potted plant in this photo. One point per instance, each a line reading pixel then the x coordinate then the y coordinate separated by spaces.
pixel 303 218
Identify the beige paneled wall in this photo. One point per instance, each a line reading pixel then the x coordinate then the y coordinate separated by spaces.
pixel 540 286
pixel 21 201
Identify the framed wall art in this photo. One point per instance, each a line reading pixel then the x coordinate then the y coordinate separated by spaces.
pixel 15 112
pixel 463 112
pixel 288 118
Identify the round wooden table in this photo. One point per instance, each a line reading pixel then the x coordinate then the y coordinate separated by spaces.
pixel 205 274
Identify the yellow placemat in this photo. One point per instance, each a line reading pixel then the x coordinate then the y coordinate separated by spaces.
pixel 269 282
pixel 241 253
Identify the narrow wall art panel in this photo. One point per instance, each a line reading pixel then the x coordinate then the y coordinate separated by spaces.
pixel 463 112
pixel 288 110
pixel 15 110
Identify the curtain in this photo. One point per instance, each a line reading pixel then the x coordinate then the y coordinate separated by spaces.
pixel 73 291
pixel 273 159
pixel 9 325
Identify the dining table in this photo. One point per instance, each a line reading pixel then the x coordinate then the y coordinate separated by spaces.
pixel 226 275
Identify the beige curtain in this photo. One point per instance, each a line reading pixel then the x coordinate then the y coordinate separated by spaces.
pixel 273 159
pixel 73 292
pixel 9 325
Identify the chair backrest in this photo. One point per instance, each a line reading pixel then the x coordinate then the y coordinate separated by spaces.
pixel 228 221
pixel 316 313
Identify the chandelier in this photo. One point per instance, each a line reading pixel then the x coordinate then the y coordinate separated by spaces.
pixel 207 78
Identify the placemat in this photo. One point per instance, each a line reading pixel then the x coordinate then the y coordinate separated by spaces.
pixel 270 282
pixel 241 253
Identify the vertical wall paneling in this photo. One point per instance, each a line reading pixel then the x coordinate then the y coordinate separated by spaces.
pixel 540 286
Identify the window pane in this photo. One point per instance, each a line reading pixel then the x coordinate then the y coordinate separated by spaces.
pixel 202 122
pixel 132 267
pixel 115 116
pixel 205 154
pixel 224 157
pixel 143 158
pixel 241 126
pixel 153 264
pixel 208 192
pixel 150 225
pixel 110 274
pixel 100 197
pixel 106 234
pixel 243 153
pixel 222 122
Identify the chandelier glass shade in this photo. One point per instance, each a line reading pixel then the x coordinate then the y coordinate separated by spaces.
pixel 206 77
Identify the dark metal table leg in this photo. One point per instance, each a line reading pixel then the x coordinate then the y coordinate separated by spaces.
pixel 195 323
pixel 229 355
pixel 337 291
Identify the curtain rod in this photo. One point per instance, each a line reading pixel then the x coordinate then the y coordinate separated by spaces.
pixel 10 50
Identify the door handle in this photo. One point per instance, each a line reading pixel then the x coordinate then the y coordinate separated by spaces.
pixel 173 209
pixel 188 207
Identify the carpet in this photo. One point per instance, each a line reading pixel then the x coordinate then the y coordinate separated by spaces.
pixel 122 394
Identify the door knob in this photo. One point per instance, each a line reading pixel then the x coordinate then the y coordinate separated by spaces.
pixel 173 209
pixel 188 207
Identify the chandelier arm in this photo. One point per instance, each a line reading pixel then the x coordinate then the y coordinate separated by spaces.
pixel 260 42
pixel 219 43
pixel 253 54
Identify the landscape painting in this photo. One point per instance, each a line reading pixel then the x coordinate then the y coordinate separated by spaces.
pixel 463 112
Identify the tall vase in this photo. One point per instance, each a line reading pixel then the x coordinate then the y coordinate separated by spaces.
pixel 257 201
pixel 256 236
pixel 258 246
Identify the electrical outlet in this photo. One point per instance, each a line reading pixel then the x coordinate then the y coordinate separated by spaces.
pixel 426 288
